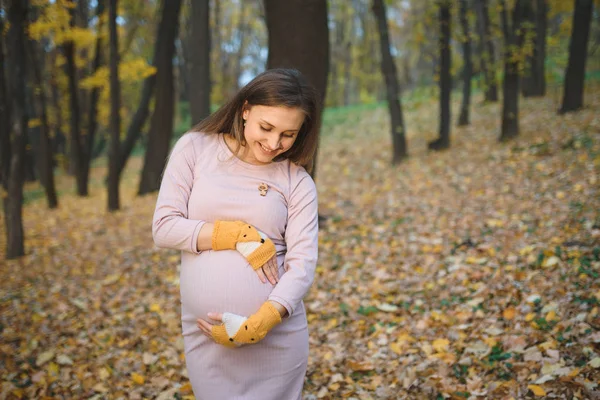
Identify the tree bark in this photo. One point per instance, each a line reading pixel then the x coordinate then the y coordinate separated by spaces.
pixel 463 119
pixel 44 154
pixel 17 19
pixel 115 105
pixel 77 157
pixel 388 69
pixel 534 81
pixel 161 125
pixel 199 60
pixel 94 96
pixel 443 141
pixel 513 40
pixel 575 73
pixel 307 49
pixel 5 113
pixel 488 57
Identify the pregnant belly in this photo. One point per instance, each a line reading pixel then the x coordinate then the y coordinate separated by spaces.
pixel 220 281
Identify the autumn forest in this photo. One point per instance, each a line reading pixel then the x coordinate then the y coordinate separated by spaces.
pixel 457 173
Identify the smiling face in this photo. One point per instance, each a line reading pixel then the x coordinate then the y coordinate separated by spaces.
pixel 269 132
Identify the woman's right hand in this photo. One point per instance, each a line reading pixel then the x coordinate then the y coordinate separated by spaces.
pixel 269 271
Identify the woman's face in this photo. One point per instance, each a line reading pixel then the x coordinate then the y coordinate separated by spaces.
pixel 270 131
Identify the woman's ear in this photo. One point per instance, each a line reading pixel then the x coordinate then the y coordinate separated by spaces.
pixel 245 110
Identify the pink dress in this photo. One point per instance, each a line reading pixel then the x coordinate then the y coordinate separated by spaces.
pixel 205 182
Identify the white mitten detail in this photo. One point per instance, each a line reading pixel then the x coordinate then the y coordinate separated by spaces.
pixel 247 248
pixel 232 323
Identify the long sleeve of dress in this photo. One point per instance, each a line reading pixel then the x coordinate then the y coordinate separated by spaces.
pixel 301 237
pixel 171 227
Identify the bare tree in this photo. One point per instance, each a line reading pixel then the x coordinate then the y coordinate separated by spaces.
pixel 575 74
pixel 513 41
pixel 308 48
pixel 44 151
pixel 463 119
pixel 534 82
pixel 161 124
pixel 197 53
pixel 443 141
pixel 388 69
pixel 13 203
pixel 76 143
pixel 488 57
pixel 115 105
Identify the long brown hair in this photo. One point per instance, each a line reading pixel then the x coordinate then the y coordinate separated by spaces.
pixel 275 88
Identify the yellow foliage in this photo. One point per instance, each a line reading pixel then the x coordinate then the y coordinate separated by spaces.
pixel 53 20
pixel 34 123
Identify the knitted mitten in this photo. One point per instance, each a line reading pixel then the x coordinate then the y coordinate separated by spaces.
pixel 254 245
pixel 237 330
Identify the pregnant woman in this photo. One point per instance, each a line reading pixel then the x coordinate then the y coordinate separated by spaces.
pixel 236 199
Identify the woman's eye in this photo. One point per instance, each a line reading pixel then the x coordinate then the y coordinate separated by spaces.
pixel 288 136
pixel 265 129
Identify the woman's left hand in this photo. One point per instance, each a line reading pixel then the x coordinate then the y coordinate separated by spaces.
pixel 268 315
pixel 206 327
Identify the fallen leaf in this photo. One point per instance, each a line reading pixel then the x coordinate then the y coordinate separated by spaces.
pixel 360 366
pixel 509 313
pixel 137 378
pixel 44 358
pixel 537 390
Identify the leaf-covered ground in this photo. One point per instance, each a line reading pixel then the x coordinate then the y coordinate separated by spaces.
pixel 470 273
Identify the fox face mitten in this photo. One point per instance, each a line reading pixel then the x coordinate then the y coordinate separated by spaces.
pixel 237 330
pixel 254 245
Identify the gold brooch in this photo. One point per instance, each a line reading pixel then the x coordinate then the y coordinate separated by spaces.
pixel 262 189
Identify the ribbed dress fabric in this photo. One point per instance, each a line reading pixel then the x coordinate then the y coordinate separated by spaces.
pixel 204 182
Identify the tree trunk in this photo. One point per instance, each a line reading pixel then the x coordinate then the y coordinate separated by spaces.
pixel 137 122
pixel 5 145
pixel 60 141
pixel 199 60
pixel 513 40
pixel 88 143
pixel 539 55
pixel 443 141
pixel 488 57
pixel 534 81
pixel 388 69
pixel 77 157
pixel 161 125
pixel 575 74
pixel 44 154
pixel 463 119
pixel 115 105
pixel 307 49
pixel 17 19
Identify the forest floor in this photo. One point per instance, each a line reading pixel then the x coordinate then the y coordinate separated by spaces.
pixel 469 273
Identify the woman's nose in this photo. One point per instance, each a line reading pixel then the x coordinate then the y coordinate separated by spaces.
pixel 274 142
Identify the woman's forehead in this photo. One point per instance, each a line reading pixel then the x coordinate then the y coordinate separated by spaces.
pixel 280 117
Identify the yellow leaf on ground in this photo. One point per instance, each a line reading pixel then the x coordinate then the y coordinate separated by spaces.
pixel 551 316
pixel 440 345
pixel 137 378
pixel 537 390
pixel 186 389
pixel 509 313
pixel 361 366
pixel 529 317
pixel 396 348
pixel 155 307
